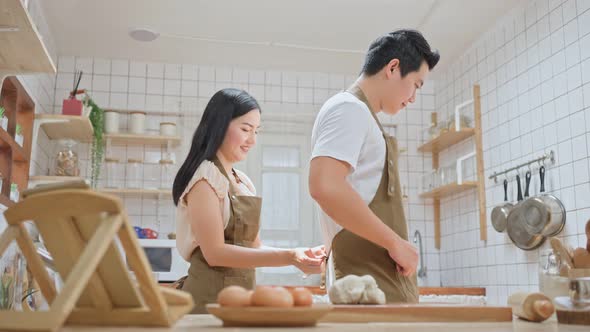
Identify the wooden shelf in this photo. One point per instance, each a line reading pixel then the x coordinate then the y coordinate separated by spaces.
pixel 58 126
pixel 52 179
pixel 449 189
pixel 6 201
pixel 121 139
pixel 137 192
pixel 6 141
pixel 446 140
pixel 148 113
pixel 22 50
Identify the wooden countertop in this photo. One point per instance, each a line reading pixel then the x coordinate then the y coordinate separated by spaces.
pixel 206 323
pixel 472 291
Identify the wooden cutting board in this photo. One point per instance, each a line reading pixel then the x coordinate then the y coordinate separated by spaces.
pixel 416 313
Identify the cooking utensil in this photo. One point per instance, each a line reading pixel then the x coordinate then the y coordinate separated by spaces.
pixel 565 259
pixel 544 214
pixel 534 307
pixel 581 255
pixel 500 213
pixel 516 225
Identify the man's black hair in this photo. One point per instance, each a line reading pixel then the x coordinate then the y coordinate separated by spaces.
pixel 408 46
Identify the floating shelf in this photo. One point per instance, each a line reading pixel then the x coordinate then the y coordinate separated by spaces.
pixel 58 126
pixel 142 139
pixel 449 189
pixel 7 141
pixel 52 179
pixel 446 140
pixel 149 113
pixel 137 192
pixel 22 49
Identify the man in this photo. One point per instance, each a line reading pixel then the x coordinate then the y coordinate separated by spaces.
pixel 354 177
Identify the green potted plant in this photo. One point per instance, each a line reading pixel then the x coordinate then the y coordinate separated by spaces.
pixel 3 118
pixel 96 117
pixel 19 138
pixel 6 292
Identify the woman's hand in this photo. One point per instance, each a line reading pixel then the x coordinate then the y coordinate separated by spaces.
pixel 316 252
pixel 307 260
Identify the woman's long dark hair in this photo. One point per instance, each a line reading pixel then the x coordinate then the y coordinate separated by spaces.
pixel 224 106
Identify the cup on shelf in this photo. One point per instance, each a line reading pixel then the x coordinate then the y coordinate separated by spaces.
pixel 167 129
pixel 111 122
pixel 137 123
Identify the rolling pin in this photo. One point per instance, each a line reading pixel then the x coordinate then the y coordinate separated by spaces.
pixel 582 255
pixel 534 307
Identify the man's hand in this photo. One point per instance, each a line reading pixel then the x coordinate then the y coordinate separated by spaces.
pixel 405 255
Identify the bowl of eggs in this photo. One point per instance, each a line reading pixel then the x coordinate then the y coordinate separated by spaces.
pixel 267 306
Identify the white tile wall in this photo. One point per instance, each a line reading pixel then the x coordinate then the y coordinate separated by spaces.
pixel 533 68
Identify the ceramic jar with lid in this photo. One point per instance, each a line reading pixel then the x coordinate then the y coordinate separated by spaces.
pixel 137 123
pixel 167 129
pixel 111 122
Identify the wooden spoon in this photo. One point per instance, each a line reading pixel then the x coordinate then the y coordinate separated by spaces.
pixel 581 255
pixel 566 260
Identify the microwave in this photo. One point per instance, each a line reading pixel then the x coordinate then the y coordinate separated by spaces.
pixel 165 260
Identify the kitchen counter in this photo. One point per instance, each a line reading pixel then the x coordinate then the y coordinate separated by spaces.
pixel 206 323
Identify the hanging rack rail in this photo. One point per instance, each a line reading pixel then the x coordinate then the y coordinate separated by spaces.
pixel 550 156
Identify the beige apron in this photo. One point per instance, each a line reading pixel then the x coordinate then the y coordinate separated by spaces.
pixel 204 281
pixel 355 255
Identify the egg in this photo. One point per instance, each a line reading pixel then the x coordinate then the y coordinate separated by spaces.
pixel 301 297
pixel 234 296
pixel 266 296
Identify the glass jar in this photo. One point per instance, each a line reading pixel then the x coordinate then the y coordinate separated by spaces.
pixel 134 173
pixel 167 173
pixel 433 130
pixel 550 282
pixel 112 172
pixel 66 160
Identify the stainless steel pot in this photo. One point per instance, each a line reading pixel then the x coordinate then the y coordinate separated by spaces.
pixel 515 225
pixel 500 212
pixel 544 214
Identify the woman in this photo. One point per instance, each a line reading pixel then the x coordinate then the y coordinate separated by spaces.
pixel 218 212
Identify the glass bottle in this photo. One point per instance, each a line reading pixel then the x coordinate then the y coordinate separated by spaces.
pixel 112 172
pixel 66 160
pixel 134 173
pixel 167 173
pixel 433 130
pixel 550 282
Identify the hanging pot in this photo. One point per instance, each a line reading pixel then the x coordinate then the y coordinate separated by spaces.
pixel 500 212
pixel 544 214
pixel 515 225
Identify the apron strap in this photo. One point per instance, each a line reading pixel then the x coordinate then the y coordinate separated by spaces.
pixel 356 91
pixel 217 162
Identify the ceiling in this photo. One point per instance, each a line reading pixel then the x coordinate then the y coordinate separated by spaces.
pixel 100 29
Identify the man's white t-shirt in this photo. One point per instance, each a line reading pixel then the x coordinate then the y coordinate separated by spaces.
pixel 345 130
